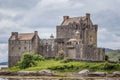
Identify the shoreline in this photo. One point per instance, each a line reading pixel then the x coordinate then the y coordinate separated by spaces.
pixel 54 77
pixel 37 75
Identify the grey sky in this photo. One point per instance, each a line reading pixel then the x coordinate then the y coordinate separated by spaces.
pixel 44 15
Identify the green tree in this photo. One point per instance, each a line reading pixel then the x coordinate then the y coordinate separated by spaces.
pixel 29 60
pixel 106 57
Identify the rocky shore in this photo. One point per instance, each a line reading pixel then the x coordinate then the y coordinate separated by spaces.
pixel 83 73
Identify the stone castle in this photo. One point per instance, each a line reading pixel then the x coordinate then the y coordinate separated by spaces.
pixel 76 37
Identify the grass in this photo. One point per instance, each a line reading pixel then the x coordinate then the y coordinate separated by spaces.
pixel 61 67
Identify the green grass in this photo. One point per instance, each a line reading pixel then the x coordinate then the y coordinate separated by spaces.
pixel 70 67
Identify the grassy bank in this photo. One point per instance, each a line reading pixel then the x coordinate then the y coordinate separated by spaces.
pixel 65 66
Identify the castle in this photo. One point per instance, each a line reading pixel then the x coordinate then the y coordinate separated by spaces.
pixel 76 37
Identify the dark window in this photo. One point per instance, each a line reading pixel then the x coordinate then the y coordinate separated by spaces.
pixel 19 47
pixel 12 48
pixel 24 47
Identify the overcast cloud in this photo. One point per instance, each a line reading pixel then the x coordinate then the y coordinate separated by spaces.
pixel 43 16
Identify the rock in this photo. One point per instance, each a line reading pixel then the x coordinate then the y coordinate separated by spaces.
pixel 100 74
pixel 116 73
pixel 110 75
pixel 27 73
pixel 46 72
pixel 4 73
pixel 83 72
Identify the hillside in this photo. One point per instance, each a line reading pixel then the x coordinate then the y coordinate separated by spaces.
pixel 4 63
pixel 114 55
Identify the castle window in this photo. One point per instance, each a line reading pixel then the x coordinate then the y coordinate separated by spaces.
pixel 19 47
pixel 91 38
pixel 12 48
pixel 25 48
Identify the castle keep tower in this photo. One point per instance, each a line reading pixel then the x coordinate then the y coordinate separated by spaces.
pixel 83 25
pixel 80 36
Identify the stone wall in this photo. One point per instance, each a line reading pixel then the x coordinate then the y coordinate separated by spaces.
pixel 16 49
pixel 85 53
pixel 47 48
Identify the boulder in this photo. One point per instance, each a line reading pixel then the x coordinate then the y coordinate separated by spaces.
pixel 46 72
pixel 27 73
pixel 100 74
pixel 83 72
pixel 116 73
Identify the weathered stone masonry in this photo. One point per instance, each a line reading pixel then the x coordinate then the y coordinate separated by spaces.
pixel 76 36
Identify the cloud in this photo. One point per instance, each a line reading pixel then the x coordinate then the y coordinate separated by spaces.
pixel 44 15
pixel 3 52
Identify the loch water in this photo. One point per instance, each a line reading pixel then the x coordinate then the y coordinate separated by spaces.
pixel 59 78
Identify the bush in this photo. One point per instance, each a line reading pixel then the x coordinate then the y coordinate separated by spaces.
pixel 106 57
pixel 29 60
pixel 61 55
pixel 110 66
pixel 65 60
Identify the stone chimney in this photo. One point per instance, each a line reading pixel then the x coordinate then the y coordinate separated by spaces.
pixel 88 15
pixel 12 33
pixel 15 34
pixel 65 17
pixel 36 32
pixel 96 27
pixel 88 18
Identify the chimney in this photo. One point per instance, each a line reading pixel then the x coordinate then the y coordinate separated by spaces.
pixel 96 27
pixel 65 17
pixel 36 32
pixel 12 33
pixel 88 15
pixel 88 18
pixel 16 35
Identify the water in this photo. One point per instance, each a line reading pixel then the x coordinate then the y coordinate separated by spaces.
pixel 60 79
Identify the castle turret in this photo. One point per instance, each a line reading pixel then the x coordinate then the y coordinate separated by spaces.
pixel 51 36
pixel 77 35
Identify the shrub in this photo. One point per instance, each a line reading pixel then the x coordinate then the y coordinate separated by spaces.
pixel 61 54
pixel 65 60
pixel 110 66
pixel 29 60
pixel 106 57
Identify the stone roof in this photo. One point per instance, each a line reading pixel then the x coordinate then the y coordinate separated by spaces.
pixel 74 20
pixel 25 36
